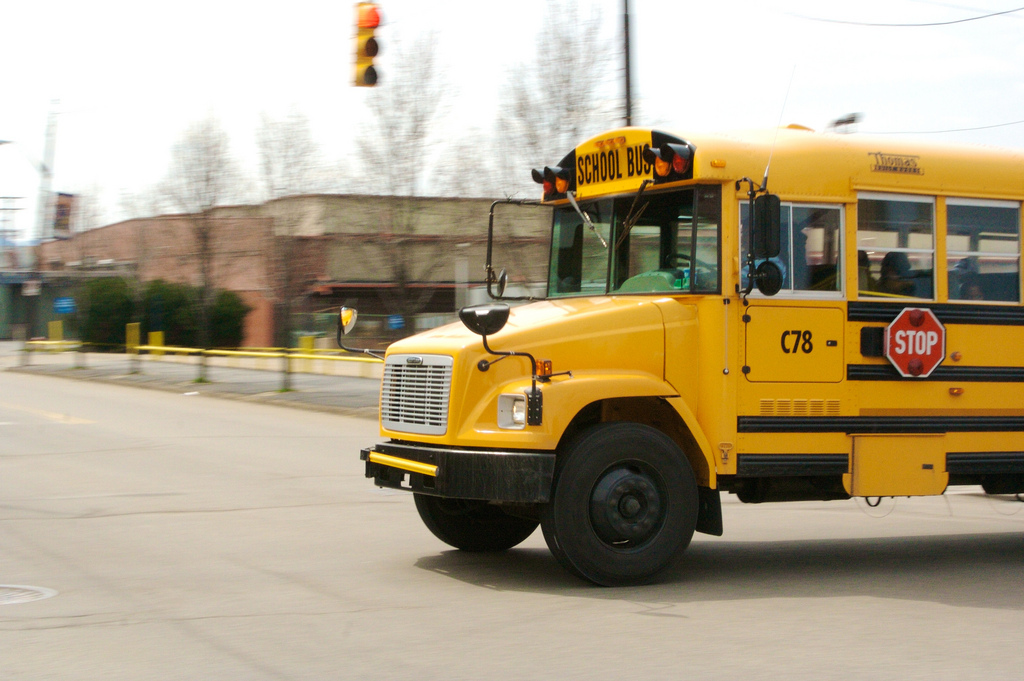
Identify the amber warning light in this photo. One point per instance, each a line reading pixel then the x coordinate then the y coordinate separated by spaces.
pixel 669 158
pixel 554 179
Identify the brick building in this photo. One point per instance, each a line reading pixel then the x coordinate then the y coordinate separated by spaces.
pixel 395 258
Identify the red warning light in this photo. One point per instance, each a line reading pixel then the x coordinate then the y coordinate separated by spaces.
pixel 369 15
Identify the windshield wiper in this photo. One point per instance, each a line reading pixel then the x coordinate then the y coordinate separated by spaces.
pixel 586 218
pixel 631 217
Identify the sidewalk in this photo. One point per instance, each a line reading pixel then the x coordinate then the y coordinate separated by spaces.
pixel 346 395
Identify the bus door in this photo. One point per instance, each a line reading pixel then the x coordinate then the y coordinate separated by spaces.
pixel 793 344
pixel 794 364
pixel 797 336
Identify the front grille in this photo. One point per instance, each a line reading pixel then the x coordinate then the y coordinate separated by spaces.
pixel 414 393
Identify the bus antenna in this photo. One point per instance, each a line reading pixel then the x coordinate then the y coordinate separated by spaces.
pixel 764 182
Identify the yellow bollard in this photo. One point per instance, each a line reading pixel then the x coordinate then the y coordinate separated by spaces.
pixel 132 333
pixel 156 338
pixel 306 345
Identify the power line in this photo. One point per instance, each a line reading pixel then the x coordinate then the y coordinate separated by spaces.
pixel 935 23
pixel 939 132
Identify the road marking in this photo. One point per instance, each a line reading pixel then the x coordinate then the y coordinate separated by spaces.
pixel 50 415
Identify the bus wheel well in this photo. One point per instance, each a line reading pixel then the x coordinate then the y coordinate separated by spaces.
pixel 650 411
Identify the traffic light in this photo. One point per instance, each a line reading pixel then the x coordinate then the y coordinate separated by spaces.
pixel 367 21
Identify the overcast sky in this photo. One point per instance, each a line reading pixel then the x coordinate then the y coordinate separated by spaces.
pixel 131 76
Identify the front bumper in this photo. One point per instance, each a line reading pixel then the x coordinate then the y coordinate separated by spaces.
pixel 511 476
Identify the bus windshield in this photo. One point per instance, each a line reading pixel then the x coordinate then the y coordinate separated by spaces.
pixel 664 242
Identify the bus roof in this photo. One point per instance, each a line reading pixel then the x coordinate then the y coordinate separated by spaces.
pixel 814 166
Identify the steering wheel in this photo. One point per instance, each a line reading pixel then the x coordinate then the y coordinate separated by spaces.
pixel 676 258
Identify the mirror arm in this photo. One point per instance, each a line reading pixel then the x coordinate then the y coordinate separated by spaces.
pixel 358 351
pixel 752 193
pixel 489 275
pixel 363 351
pixel 484 365
pixel 490 246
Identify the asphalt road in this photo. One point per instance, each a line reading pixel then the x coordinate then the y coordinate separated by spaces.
pixel 191 537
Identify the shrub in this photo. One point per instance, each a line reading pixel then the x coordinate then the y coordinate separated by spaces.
pixel 227 320
pixel 107 308
pixel 171 308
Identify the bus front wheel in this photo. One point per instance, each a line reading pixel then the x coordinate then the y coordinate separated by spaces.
pixel 624 506
pixel 472 525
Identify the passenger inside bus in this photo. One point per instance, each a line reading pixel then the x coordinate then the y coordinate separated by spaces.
pixel 865 280
pixel 895 277
pixel 970 288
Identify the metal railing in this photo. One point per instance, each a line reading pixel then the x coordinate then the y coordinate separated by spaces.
pixel 303 359
pixel 292 360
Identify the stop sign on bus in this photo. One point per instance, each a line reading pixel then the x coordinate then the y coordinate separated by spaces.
pixel 915 342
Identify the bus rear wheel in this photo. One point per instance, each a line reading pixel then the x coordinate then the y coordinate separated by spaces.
pixel 472 525
pixel 624 506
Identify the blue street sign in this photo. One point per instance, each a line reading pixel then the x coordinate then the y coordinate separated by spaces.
pixel 64 305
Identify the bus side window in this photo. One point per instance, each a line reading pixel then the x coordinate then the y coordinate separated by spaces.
pixel 983 243
pixel 816 237
pixel 810 258
pixel 898 234
pixel 569 260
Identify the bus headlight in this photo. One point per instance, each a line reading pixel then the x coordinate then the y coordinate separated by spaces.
pixel 512 411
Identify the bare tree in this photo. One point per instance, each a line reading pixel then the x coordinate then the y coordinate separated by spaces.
pixel 395 151
pixel 290 160
pixel 394 148
pixel 88 210
pixel 290 163
pixel 463 171
pixel 551 105
pixel 202 176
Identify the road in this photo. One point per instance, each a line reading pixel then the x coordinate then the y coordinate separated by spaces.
pixel 188 537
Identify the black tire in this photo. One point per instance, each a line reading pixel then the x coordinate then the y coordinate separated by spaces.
pixel 472 525
pixel 624 506
pixel 1003 484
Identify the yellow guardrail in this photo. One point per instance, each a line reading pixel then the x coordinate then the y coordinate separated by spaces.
pixel 169 349
pixel 266 353
pixel 52 345
pixel 288 360
pixel 303 359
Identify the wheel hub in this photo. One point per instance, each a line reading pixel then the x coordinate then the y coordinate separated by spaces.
pixel 625 507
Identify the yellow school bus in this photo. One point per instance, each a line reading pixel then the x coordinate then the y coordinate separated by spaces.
pixel 780 315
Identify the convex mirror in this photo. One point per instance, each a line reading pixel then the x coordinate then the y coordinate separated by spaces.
pixel 486 319
pixel 767 227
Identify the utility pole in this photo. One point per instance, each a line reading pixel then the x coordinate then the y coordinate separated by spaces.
pixel 625 31
pixel 44 210
pixel 8 254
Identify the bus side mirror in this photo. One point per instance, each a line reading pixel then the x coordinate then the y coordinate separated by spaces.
pixel 486 319
pixel 768 278
pixel 347 319
pixel 767 227
pixel 502 282
pixel 496 283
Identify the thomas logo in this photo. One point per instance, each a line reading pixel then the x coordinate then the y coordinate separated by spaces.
pixel 895 163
